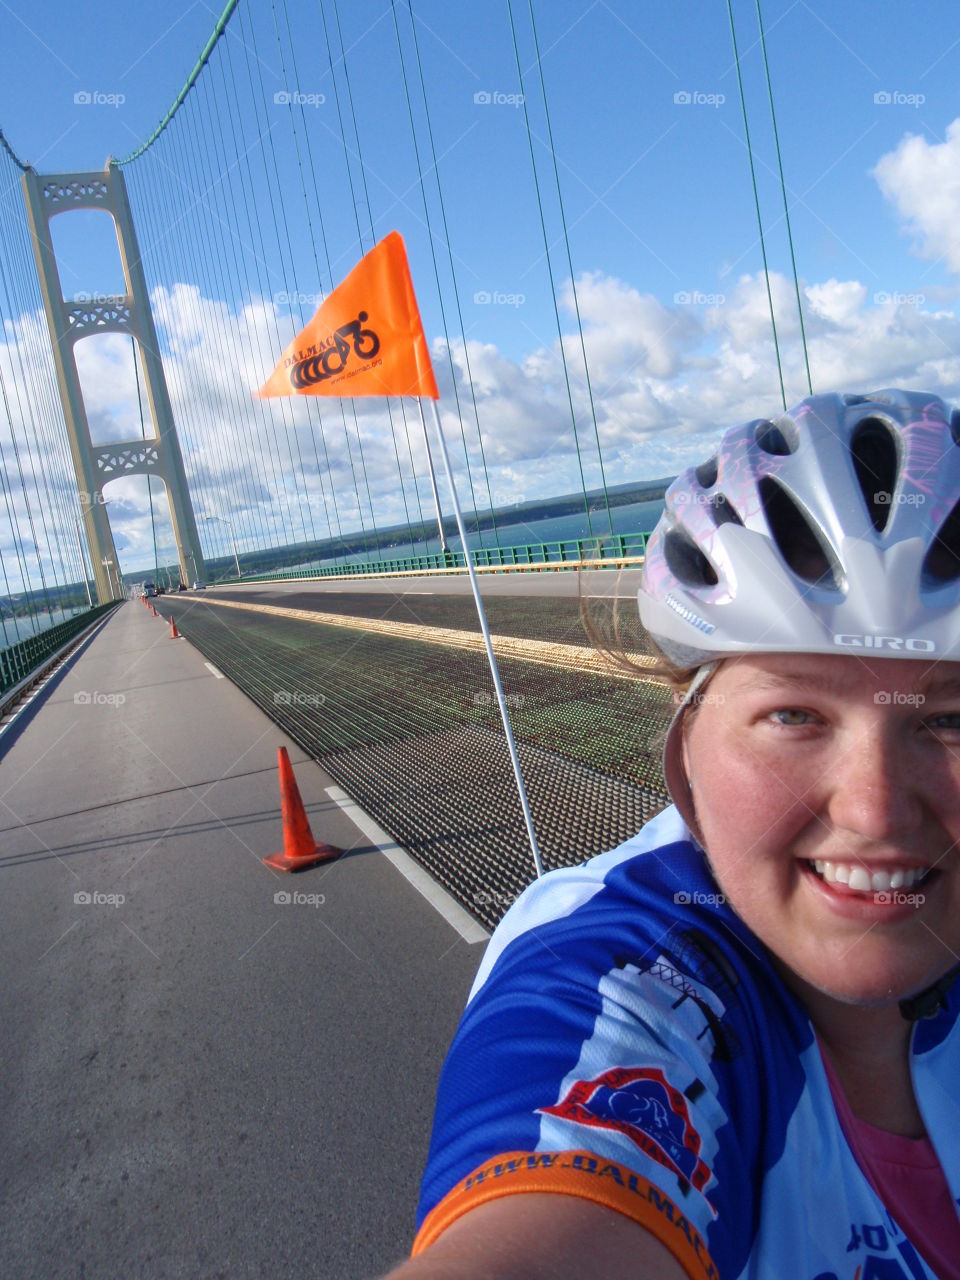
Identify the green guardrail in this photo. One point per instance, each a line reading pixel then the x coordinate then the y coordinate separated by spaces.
pixel 572 551
pixel 18 660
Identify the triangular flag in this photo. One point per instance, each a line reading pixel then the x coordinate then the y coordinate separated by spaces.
pixel 366 339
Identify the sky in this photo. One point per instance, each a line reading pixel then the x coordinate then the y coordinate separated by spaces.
pixel 665 262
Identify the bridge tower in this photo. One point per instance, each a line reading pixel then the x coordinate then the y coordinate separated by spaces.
pixel 46 196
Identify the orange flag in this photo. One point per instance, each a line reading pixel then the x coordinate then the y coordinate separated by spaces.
pixel 366 339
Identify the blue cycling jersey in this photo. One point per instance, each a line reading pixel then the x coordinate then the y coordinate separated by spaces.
pixel 628 1040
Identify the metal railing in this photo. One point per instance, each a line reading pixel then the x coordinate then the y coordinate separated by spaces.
pixel 18 660
pixel 595 552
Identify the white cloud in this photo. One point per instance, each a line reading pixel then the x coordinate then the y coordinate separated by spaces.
pixel 667 379
pixel 922 180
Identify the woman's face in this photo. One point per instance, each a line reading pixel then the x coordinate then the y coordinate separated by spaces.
pixel 827 793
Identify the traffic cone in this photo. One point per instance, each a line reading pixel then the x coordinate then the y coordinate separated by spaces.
pixel 154 608
pixel 174 633
pixel 300 850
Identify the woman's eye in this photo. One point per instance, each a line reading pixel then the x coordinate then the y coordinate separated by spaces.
pixel 950 720
pixel 790 716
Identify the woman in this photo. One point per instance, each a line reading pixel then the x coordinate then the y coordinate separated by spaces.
pixel 729 1047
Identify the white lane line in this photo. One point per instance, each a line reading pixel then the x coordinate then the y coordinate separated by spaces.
pixel 213 670
pixel 418 593
pixel 468 928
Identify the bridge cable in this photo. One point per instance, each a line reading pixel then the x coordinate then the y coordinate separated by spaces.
pixel 553 287
pixel 436 272
pixel 573 279
pixel 453 276
pixel 312 404
pixel 756 201
pixel 783 189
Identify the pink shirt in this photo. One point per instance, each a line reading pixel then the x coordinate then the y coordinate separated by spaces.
pixel 906 1175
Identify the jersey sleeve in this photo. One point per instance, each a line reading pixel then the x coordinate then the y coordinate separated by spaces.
pixel 585 1064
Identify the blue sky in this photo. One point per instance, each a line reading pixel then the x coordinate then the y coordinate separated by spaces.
pixel 656 192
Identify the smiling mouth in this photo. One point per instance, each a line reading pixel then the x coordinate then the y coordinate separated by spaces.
pixel 858 879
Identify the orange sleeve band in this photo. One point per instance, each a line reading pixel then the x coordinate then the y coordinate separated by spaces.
pixel 574 1173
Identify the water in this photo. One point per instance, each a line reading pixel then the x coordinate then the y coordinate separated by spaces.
pixel 636 517
pixel 13 630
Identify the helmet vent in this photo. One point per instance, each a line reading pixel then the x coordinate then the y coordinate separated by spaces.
pixel 941 564
pixel 687 562
pixel 796 539
pixel 722 510
pixel 706 473
pixel 876 462
pixel 776 438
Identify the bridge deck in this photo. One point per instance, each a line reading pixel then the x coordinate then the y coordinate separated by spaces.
pixel 197 1080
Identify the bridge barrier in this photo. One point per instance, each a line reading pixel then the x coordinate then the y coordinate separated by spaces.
pixel 18 662
pixel 586 553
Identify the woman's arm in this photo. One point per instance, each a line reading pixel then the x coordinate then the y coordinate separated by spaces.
pixel 560 1237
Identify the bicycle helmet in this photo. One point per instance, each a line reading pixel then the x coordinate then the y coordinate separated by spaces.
pixel 834 528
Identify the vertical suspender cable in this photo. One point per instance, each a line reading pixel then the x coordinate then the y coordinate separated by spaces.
pixel 553 287
pixel 453 274
pixel 756 201
pixel 436 271
pixel 573 280
pixel 783 189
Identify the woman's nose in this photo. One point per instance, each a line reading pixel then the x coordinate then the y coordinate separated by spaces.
pixel 874 791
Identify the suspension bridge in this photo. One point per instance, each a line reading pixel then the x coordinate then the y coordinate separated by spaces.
pixel 210 1068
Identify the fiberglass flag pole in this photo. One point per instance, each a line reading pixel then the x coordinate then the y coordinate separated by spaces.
pixel 367 339
pixel 494 671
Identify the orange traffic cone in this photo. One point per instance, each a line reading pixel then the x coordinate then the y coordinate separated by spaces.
pixel 300 850
pixel 174 633
pixel 154 608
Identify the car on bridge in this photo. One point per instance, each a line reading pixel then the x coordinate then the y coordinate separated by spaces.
pixel 148 589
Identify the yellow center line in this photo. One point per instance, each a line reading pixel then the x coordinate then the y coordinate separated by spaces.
pixel 580 657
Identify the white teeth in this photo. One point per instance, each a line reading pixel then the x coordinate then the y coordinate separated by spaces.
pixel 862 881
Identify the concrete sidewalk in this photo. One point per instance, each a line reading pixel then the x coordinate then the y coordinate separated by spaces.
pixel 198 1080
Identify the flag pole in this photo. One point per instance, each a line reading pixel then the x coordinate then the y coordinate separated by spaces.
pixel 433 477
pixel 501 700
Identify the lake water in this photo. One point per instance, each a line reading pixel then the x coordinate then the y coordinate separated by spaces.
pixel 636 517
pixel 13 630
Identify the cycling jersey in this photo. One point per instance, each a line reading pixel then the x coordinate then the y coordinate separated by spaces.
pixel 628 1040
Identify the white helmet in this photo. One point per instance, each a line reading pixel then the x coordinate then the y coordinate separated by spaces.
pixel 834 528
